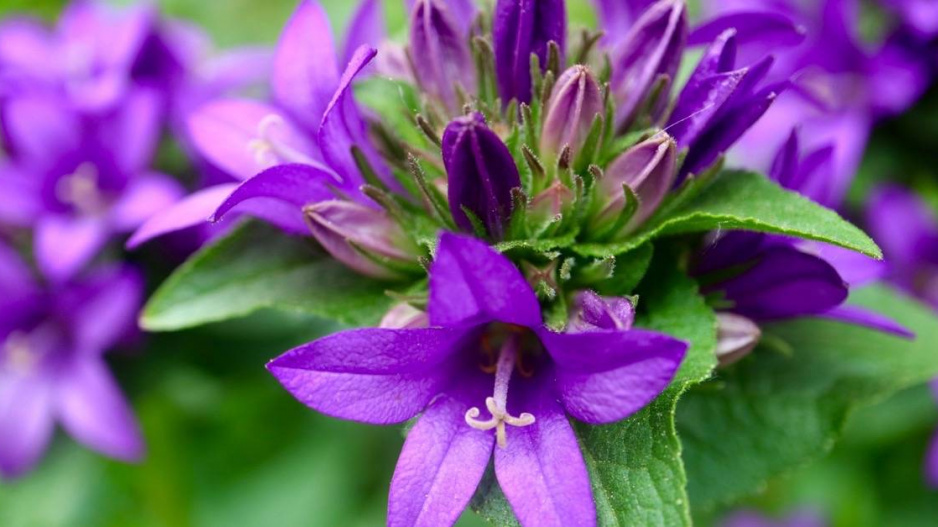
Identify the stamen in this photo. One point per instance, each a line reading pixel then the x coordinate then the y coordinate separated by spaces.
pixel 498 403
pixel 18 355
pixel 80 189
pixel 268 151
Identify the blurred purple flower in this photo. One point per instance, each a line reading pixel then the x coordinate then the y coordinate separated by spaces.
pixel 311 122
pixel 746 518
pixel 485 327
pixel 52 343
pixel 440 53
pixel 79 179
pixel 931 462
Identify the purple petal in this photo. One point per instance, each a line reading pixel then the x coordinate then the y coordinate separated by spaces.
pixel 931 463
pixel 470 281
pixel 785 283
pixel 289 187
pixel 244 137
pixel 26 44
pixel 541 469
pixel 64 245
pixel 440 467
pixel 20 197
pixel 591 312
pixel 38 125
pixel 93 411
pixel 606 376
pixel 521 28
pixel 770 29
pixel 901 223
pixel 343 127
pixel 868 319
pixel 856 269
pixel 146 196
pixel 305 71
pixel 136 126
pixel 442 58
pixel 102 319
pixel 378 376
pixel 26 421
pixel 617 15
pixel 366 28
pixel 15 276
pixel 195 209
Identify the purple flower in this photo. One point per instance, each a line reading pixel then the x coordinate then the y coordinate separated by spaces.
pixel 79 179
pixel 650 54
pixel 746 518
pixel 486 372
pixel 719 104
pixel 481 174
pixel 931 462
pixel 52 369
pixel 312 121
pixel 573 107
pixel 591 311
pixel 521 28
pixel 618 14
pixel 440 52
pixel 907 230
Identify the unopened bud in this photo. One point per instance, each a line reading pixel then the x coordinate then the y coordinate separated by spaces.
pixel 440 52
pixel 737 336
pixel 573 106
pixel 592 312
pixel 405 316
pixel 521 28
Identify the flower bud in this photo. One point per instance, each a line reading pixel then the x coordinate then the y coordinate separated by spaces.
pixel 405 316
pixel 573 106
pixel 550 204
pixel 481 173
pixel 650 54
pixel 363 238
pixel 521 28
pixel 649 169
pixel 737 336
pixel 592 312
pixel 440 52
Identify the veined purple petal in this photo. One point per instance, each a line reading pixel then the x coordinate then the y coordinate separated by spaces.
pixel 94 412
pixel 64 244
pixel 606 376
pixel 366 28
pixel 441 465
pixel 463 11
pixel 343 127
pixel 769 29
pixel 294 185
pixel 244 137
pixel 868 319
pixel 573 106
pixel 378 376
pixel 652 49
pixel 146 196
pixel 471 282
pixel 521 28
pixel 305 73
pixel 541 469
pixel 195 209
pixel 784 283
pixel 26 421
pixel 481 173
pixel 102 319
pixel 440 51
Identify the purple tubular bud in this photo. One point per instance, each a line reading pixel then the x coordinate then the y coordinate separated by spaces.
pixel 737 336
pixel 573 106
pixel 363 238
pixel 650 52
pixel 481 173
pixel 440 52
pixel 592 312
pixel 405 316
pixel 649 169
pixel 522 28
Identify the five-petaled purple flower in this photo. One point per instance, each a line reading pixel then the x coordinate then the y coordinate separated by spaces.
pixel 487 374
pixel 52 342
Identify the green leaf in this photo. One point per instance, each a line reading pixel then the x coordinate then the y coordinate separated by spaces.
pixel 737 200
pixel 776 411
pixel 635 465
pixel 257 267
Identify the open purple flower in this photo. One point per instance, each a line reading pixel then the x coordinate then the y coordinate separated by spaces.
pixel 312 121
pixel 52 342
pixel 79 179
pixel 486 372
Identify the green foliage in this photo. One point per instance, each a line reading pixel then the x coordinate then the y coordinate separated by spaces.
pixel 256 267
pixel 776 411
pixel 742 201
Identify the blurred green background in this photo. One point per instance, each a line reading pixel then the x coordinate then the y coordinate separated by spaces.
pixel 227 446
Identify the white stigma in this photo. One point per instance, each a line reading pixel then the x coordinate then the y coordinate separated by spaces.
pixel 269 151
pixel 80 189
pixel 497 404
